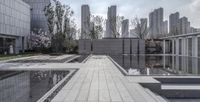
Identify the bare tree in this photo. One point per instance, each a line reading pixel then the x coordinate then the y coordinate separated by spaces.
pixel 119 24
pixel 140 25
pixel 115 25
pixel 97 27
pixel 58 16
pixel 50 15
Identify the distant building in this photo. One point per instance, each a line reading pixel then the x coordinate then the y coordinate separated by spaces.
pixel 85 22
pixel 165 28
pixel 38 18
pixel 14 26
pixel 173 23
pixel 107 32
pixel 155 23
pixel 125 28
pixel 133 33
pixel 111 22
pixel 179 26
pixel 194 30
pixel 144 28
pixel 183 26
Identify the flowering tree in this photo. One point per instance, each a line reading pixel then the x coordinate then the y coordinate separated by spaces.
pixel 39 40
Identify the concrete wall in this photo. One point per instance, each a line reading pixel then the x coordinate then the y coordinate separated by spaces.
pixel 14 18
pixel 84 46
pixel 127 44
pixel 15 22
pixel 112 46
pixel 141 46
pixel 135 46
pixel 107 46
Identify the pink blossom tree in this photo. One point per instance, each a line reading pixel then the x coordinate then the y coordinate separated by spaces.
pixel 39 40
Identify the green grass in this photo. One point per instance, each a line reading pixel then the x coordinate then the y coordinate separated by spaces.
pixel 8 57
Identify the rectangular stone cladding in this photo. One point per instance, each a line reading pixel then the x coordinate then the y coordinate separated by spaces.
pixel 141 46
pixel 135 61
pixel 107 46
pixel 198 46
pixel 127 46
pixel 84 46
pixel 141 62
pixel 127 62
pixel 134 46
pixel 112 46
pixel 168 47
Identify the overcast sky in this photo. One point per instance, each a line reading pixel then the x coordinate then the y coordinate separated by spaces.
pixel 140 8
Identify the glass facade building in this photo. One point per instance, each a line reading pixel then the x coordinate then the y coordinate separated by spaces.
pixel 38 18
pixel 14 25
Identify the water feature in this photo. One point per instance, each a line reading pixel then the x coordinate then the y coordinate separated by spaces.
pixel 163 65
pixel 79 59
pixel 27 86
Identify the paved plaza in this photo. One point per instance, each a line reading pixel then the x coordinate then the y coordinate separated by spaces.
pixel 99 80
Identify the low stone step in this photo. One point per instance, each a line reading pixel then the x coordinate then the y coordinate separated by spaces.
pixel 180 87
pixel 156 96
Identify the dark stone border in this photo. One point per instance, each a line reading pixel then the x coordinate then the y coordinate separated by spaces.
pixel 57 90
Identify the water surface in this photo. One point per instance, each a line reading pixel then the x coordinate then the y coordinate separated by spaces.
pixel 27 86
pixel 158 65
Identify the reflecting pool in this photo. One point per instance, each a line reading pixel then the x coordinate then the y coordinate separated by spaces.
pixel 158 65
pixel 27 86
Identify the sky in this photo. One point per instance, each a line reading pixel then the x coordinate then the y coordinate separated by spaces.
pixel 139 8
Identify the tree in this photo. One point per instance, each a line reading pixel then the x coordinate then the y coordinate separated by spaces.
pixel 50 14
pixel 70 36
pixel 140 26
pixel 39 40
pixel 96 27
pixel 59 18
pixel 115 25
pixel 119 24
pixel 59 15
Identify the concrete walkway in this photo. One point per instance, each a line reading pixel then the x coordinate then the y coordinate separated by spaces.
pixel 99 80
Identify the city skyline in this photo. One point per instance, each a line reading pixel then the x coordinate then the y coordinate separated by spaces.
pixel 188 8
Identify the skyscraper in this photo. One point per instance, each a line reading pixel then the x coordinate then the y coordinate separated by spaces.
pixel 155 23
pixel 143 27
pixel 194 30
pixel 183 26
pixel 125 28
pixel 173 23
pixel 111 22
pixel 165 27
pixel 85 22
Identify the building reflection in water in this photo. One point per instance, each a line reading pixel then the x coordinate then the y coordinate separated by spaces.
pixel 27 86
pixel 158 65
